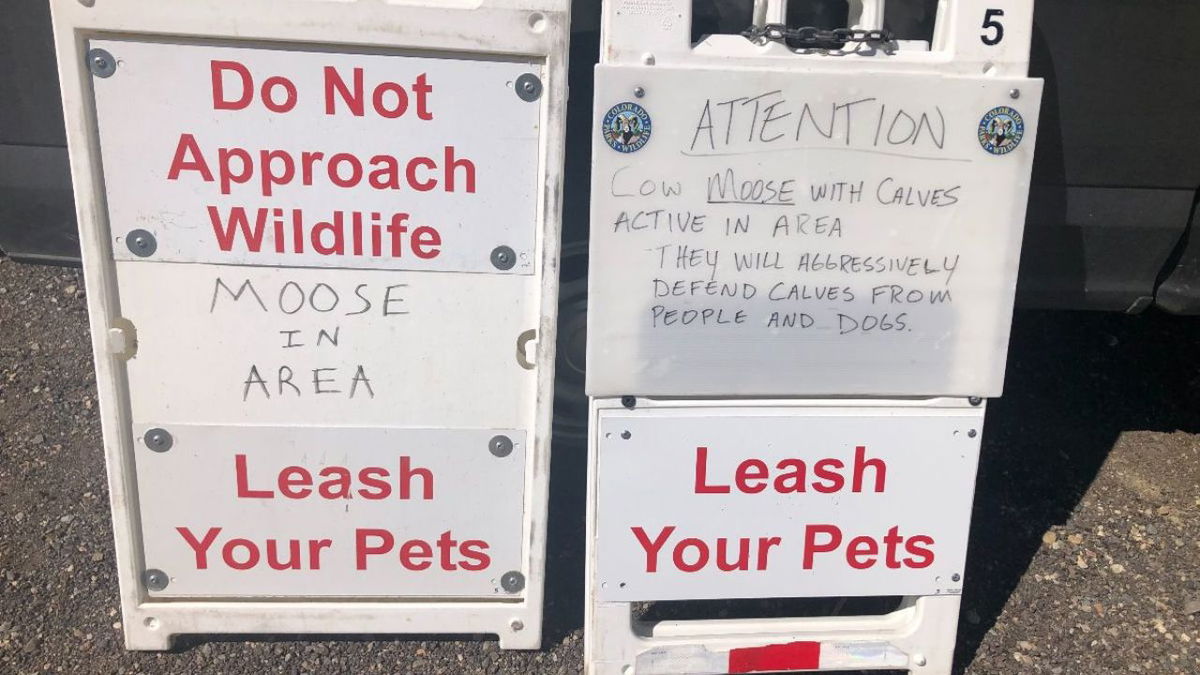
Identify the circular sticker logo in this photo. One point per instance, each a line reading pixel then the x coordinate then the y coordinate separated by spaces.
pixel 626 127
pixel 1001 130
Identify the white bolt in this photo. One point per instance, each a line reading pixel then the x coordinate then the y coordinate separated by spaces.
pixel 919 659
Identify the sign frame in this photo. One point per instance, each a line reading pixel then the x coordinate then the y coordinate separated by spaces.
pixel 504 28
pixel 919 635
pixel 920 632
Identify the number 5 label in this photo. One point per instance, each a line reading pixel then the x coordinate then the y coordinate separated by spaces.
pixel 990 23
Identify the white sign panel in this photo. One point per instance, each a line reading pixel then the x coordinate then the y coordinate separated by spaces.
pixel 338 511
pixel 717 503
pixel 226 344
pixel 319 241
pixel 309 158
pixel 774 232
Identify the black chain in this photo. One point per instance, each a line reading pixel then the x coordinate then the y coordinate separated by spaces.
pixel 808 37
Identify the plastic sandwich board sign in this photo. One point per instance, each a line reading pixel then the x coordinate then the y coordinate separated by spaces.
pixel 807 226
pixel 318 240
pixel 804 249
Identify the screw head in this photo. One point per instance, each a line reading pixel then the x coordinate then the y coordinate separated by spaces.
pixel 626 435
pixel 956 577
pixel 639 92
pixel 158 440
pixel 512 582
pixel 972 433
pixel 629 402
pixel 1014 93
pixel 528 87
pixel 141 243
pixel 975 400
pixel 500 446
pixel 503 258
pixel 101 63
pixel 155 580
pixel 516 625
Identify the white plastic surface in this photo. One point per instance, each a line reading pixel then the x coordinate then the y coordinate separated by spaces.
pixel 309 512
pixel 783 501
pixel 345 149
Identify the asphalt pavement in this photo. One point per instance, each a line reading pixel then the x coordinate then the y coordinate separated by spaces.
pixel 1085 540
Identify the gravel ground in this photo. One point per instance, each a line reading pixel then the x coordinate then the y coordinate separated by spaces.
pixel 1085 546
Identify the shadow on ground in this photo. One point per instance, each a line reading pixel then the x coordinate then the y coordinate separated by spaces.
pixel 1075 382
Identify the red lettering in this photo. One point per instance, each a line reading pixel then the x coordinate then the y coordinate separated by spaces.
pixel 751 470
pixel 446 544
pixel 422 89
pixel 199 547
pixel 187 144
pixel 426 242
pixel 701 555
pixel 401 100
pixel 362 549
pixel 408 474
pixel 702 487
pixel 231 546
pixel 411 174
pixel 415 555
pixel 861 464
pixel 919 546
pixel 474 551
pixel 218 70
pixel 225 168
pixel 374 487
pixel 828 470
pixel 811 547
pixel 270 178
pixel 334 83
pixel 892 540
pixel 295 477
pixel 450 164
pixel 652 547
pixel 243 482
pixel 861 552
pixel 237 222
pixel 289 89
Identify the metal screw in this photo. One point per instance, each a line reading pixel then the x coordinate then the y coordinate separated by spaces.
pixel 1014 93
pixel 141 243
pixel 639 91
pixel 516 625
pixel 975 400
pixel 503 258
pixel 158 440
pixel 956 577
pixel 512 582
pixel 629 402
pixel 919 660
pixel 626 435
pixel 155 580
pixel 500 446
pixel 101 63
pixel 528 87
pixel 972 433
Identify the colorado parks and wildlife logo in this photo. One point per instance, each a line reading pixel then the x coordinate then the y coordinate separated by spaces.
pixel 1001 130
pixel 626 127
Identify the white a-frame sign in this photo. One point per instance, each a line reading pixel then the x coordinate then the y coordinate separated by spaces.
pixel 320 242
pixel 804 250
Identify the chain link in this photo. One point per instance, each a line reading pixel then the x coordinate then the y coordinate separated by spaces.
pixel 815 38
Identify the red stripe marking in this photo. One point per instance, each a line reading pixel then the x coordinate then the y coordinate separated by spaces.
pixel 790 656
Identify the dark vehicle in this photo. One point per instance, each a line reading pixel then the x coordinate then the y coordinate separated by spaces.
pixel 1116 175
